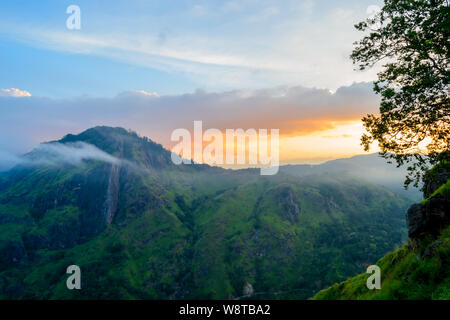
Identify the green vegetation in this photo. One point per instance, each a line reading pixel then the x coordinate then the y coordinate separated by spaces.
pixel 410 272
pixel 185 231
pixel 421 268
pixel 443 190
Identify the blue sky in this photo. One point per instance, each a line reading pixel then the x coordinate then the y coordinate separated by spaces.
pixel 155 66
pixel 175 47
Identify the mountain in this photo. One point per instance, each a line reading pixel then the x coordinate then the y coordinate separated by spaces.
pixel 372 168
pixel 420 273
pixel 421 268
pixel 140 227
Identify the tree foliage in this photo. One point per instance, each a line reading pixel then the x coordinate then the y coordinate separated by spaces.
pixel 411 39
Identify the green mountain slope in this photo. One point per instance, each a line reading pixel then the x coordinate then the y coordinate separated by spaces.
pixel 291 237
pixel 407 273
pixel 141 227
pixel 421 268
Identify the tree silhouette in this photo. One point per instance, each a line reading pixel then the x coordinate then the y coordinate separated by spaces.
pixel 411 39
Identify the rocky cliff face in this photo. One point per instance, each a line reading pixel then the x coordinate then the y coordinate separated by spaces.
pixel 432 215
pixel 428 218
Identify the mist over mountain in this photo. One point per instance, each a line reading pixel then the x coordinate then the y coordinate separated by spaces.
pixel 141 227
pixel 372 168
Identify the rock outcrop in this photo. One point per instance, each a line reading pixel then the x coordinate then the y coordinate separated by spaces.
pixel 290 208
pixel 435 178
pixel 428 218
pixel 432 215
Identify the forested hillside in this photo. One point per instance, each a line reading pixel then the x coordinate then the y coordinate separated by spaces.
pixel 141 227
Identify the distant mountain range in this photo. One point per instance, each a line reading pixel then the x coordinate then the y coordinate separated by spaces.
pixel 372 168
pixel 140 227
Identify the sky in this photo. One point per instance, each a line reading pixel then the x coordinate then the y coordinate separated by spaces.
pixel 154 66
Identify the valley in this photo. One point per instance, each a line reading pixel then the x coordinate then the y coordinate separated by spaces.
pixel 141 227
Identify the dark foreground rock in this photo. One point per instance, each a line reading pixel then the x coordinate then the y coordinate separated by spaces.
pixel 428 218
pixel 431 216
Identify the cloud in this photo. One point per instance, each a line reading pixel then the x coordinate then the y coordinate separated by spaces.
pixel 54 154
pixel 71 153
pixel 138 93
pixel 14 92
pixel 8 160
pixel 296 111
pixel 219 46
pixel 145 93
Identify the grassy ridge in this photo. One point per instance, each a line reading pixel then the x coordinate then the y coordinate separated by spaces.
pixel 407 273
pixel 419 271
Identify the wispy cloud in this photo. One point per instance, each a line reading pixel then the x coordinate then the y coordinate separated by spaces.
pixel 71 153
pixel 232 45
pixel 56 154
pixel 139 93
pixel 14 92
